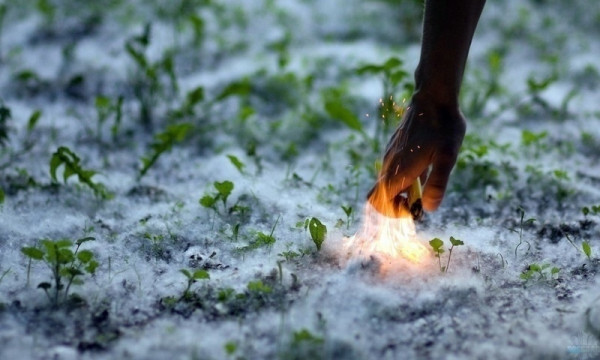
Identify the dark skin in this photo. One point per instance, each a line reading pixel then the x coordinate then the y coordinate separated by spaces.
pixel 427 142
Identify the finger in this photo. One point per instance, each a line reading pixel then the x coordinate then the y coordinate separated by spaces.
pixel 404 170
pixel 433 194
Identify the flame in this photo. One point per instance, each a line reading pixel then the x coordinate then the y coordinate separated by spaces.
pixel 392 238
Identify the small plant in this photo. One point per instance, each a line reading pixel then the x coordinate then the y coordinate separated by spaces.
pixel 261 239
pixel 66 266
pixel 259 287
pixel 543 272
pixel 317 230
pixel 64 156
pixel 522 223
pixel 148 84
pixel 192 278
pixel 105 108
pixel 437 245
pixel 230 348
pixel 586 249
pixel 349 211
pixel 594 210
pixel 163 142
pixel 224 189
pixel 237 163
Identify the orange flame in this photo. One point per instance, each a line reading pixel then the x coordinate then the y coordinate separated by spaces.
pixel 390 237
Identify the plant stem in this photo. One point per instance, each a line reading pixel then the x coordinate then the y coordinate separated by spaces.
pixel 449 257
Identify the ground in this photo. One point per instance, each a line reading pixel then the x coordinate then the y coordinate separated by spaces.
pixel 223 137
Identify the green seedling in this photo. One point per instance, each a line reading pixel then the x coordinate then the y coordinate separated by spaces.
pixel 289 255
pixel 522 223
pixel 64 156
pixel 306 336
pixel 317 231
pixel 148 84
pixel 438 248
pixel 192 278
pixel 163 142
pixel 543 272
pixel 261 239
pixel 259 287
pixel 230 348
pixel 6 272
pixel 224 189
pixel 337 109
pixel 237 163
pixel 349 211
pixel 586 249
pixel 67 266
pixel 33 120
pixel 594 210
pixel 192 98
pixel 105 108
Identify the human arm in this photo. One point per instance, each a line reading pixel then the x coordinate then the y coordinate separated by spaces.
pixel 426 143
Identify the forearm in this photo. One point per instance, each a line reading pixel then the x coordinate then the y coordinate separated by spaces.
pixel 448 28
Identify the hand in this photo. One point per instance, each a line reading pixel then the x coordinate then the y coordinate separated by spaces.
pixel 425 145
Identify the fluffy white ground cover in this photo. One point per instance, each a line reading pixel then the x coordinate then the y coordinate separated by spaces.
pixel 535 60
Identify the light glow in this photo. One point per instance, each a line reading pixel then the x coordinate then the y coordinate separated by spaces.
pixel 390 238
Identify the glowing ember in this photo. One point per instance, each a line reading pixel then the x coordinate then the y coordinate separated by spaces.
pixel 391 237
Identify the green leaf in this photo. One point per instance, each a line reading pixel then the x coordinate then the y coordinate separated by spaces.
pixel 64 156
pixel 259 287
pixel 237 163
pixel 63 243
pixel 65 256
pixel 347 210
pixel 33 253
pixel 318 232
pixel 33 120
pixel 436 244
pixel 535 267
pixel 85 256
pixel 585 210
pixel 71 272
pixel 44 285
pixel 587 249
pixel 84 240
pixel 2 196
pixel 208 201
pixel 102 103
pixel 238 88
pixel 306 336
pixel 224 188
pixel 338 111
pixel 200 275
pixel 163 142
pixel 195 96
pixel 186 273
pixel 230 348
pixel 55 162
pixel 456 242
pixel 554 270
pixel 91 266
